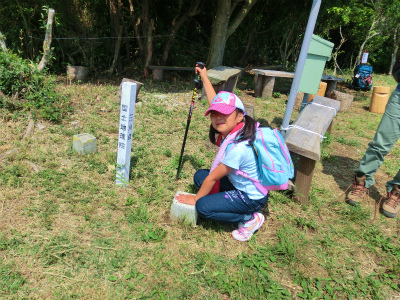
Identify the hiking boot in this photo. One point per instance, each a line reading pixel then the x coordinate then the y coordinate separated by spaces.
pixel 246 230
pixel 391 206
pixel 359 191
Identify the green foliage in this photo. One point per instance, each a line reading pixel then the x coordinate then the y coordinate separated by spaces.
pixel 349 142
pixel 10 279
pixel 31 90
pixel 276 94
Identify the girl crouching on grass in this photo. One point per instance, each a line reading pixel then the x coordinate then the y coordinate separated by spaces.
pixel 224 195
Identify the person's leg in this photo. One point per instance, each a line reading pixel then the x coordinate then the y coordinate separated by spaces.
pixel 200 175
pixel 230 206
pixel 395 181
pixel 386 136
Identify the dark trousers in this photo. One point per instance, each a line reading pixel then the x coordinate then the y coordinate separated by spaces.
pixel 229 205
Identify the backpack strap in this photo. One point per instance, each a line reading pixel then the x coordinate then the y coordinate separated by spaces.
pixel 262 188
pixel 256 183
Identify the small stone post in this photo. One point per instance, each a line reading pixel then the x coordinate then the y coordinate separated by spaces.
pixel 127 111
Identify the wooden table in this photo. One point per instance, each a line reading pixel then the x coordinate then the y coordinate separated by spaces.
pixel 266 80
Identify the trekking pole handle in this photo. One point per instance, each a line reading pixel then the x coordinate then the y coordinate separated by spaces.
pixel 197 81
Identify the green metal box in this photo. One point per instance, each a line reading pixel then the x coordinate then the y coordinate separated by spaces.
pixel 319 52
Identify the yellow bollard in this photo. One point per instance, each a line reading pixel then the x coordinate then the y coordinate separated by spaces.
pixel 379 99
pixel 321 90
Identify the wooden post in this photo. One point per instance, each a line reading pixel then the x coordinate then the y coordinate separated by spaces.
pixel 304 176
pixel 47 41
pixel 379 99
pixel 127 111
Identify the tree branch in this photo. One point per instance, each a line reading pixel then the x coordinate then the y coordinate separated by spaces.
pixel 240 16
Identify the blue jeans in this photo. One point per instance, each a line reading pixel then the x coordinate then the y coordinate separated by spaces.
pixel 229 205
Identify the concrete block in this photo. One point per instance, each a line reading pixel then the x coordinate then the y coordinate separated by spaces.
pixel 249 109
pixel 84 143
pixel 180 211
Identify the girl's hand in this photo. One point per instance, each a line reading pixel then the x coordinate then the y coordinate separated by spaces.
pixel 186 199
pixel 201 71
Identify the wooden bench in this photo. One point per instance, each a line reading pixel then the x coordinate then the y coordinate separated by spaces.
pixel 247 69
pixel 304 137
pixel 265 81
pixel 223 79
pixel 158 71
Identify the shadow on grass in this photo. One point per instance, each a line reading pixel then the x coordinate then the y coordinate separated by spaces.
pixel 263 122
pixel 194 161
pixel 342 169
pixel 216 225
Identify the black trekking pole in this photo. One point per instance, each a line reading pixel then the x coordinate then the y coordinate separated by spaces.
pixel 197 85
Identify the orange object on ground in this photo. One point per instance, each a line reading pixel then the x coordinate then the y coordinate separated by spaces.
pixel 321 90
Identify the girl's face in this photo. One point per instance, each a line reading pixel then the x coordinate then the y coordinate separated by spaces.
pixel 225 123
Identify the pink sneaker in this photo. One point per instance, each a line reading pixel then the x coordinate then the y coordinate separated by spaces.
pixel 245 232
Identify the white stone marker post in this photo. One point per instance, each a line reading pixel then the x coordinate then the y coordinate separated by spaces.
pixel 126 115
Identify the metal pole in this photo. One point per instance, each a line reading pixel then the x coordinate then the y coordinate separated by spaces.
pixel 300 64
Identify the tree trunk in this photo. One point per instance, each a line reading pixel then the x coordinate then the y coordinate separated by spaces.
pixel 136 25
pixel 288 46
pixel 2 42
pixel 396 41
pixel 370 35
pixel 115 12
pixel 336 52
pixel 250 39
pixel 223 26
pixel 27 28
pixel 149 49
pixel 116 53
pixel 47 41
pixel 176 24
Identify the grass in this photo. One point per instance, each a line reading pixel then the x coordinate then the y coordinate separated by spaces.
pixel 67 231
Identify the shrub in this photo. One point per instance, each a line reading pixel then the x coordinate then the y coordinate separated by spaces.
pixel 26 88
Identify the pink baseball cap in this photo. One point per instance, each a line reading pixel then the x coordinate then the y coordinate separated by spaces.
pixel 226 103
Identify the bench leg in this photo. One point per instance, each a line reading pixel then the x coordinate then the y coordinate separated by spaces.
pixel 329 130
pixel 258 85
pixel 158 74
pixel 330 86
pixel 268 86
pixel 304 176
pixel 230 84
